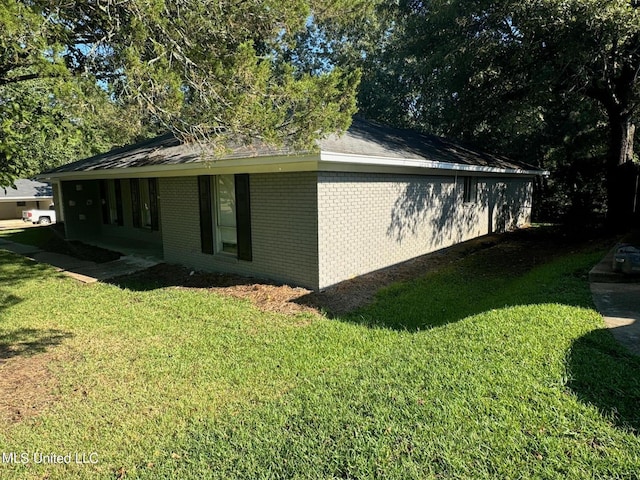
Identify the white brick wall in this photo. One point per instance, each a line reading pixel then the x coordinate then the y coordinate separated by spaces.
pixel 318 229
pixel 370 221
pixel 283 223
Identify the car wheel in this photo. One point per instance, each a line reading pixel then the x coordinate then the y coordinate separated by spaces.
pixel 44 221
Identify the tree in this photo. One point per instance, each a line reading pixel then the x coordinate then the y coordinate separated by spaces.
pixel 45 123
pixel 503 74
pixel 206 70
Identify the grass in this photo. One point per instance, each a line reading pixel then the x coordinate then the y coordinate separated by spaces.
pixel 40 236
pixel 482 370
pixel 51 238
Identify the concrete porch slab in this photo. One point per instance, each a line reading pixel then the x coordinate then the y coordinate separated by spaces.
pixel 125 265
pixel 128 247
pixel 82 270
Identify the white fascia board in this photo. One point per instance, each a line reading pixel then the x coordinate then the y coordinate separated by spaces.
pixel 24 199
pixel 206 167
pixel 411 165
pixel 324 161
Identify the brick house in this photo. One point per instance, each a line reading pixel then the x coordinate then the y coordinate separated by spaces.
pixel 371 198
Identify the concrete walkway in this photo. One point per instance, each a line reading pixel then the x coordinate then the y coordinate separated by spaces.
pixel 81 270
pixel 617 298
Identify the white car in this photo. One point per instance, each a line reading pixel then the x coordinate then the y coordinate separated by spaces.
pixel 43 217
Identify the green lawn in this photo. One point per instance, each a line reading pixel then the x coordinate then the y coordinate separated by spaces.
pixel 38 236
pixel 478 371
pixel 51 238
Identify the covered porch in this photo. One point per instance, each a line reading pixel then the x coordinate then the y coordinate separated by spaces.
pixel 117 214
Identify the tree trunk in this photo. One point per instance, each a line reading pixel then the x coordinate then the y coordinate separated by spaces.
pixel 620 172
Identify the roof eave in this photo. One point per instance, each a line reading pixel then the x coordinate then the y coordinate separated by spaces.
pixel 335 158
pixel 324 161
pixel 25 199
pixel 209 167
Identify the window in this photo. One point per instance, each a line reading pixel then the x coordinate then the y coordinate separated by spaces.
pixel 21 204
pixel 144 203
pixel 470 190
pixel 225 207
pixel 225 218
pixel 111 202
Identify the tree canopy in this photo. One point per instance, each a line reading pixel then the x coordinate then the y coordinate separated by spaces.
pixel 203 69
pixel 551 82
pixel 45 123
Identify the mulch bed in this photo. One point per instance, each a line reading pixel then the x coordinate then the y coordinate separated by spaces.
pixel 521 251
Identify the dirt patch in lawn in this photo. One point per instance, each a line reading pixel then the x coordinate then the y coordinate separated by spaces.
pixel 26 381
pixel 27 387
pixel 517 251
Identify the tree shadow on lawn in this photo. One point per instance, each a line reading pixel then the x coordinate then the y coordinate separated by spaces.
pixel 601 371
pixel 8 300
pixel 603 374
pixel 29 341
pixel 505 275
pixel 15 269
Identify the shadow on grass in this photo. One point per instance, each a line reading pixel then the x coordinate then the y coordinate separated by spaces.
pixel 603 374
pixel 8 300
pixel 15 268
pixel 51 238
pixel 164 275
pixel 490 279
pixel 29 341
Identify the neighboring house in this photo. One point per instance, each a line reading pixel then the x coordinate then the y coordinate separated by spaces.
pixel 372 198
pixel 26 195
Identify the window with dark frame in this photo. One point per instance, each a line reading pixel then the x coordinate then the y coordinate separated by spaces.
pixel 111 202
pixel 470 190
pixel 225 209
pixel 225 216
pixel 144 203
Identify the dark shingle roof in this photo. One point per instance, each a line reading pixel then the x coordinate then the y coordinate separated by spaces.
pixel 164 150
pixel 372 139
pixel 26 189
pixel 363 138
